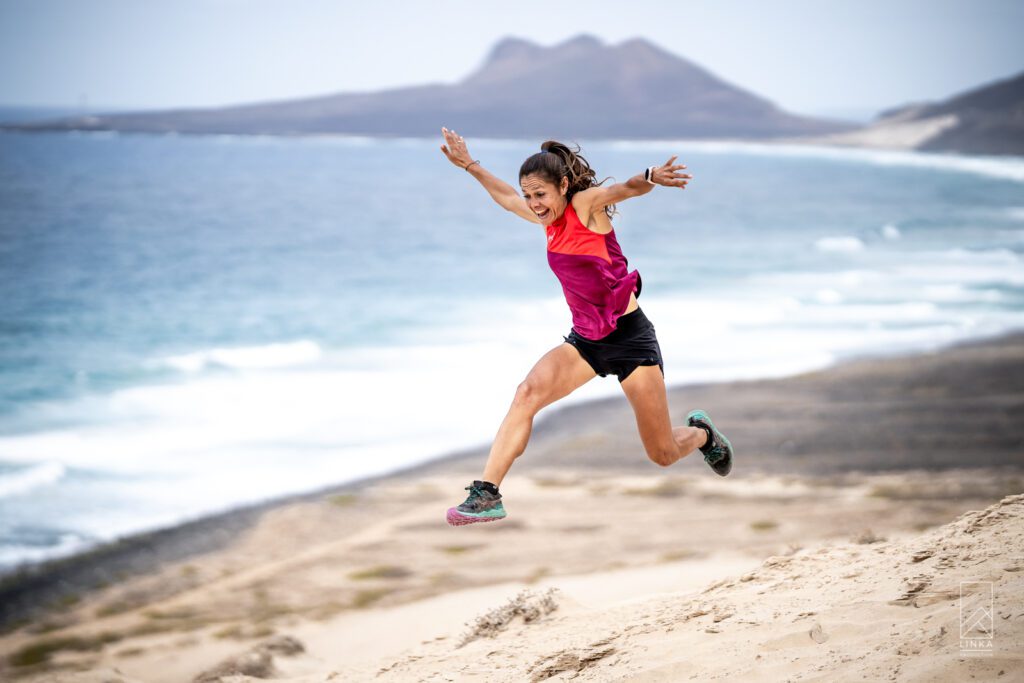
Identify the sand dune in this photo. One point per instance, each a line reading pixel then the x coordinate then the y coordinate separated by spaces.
pixel 698 600
pixel 893 133
pixel 890 610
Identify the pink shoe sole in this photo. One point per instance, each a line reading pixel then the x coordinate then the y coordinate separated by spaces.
pixel 456 518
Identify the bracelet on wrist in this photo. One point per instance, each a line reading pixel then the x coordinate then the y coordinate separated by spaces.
pixel 648 175
pixel 475 161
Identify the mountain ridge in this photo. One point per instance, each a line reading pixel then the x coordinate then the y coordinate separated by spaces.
pixel 632 90
pixel 987 119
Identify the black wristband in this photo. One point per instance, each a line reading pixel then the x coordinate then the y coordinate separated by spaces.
pixel 475 161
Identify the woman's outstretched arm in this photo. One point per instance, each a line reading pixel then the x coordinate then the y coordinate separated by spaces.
pixel 669 174
pixel 501 192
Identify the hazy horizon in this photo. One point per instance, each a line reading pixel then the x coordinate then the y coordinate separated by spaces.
pixel 843 60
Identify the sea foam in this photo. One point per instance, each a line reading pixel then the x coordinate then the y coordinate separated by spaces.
pixel 30 478
pixel 844 244
pixel 1004 168
pixel 248 357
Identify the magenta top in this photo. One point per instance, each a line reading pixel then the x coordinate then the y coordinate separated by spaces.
pixel 594 275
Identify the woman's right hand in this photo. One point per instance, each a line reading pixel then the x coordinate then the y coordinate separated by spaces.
pixel 455 148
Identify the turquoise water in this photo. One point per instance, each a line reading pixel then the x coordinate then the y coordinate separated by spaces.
pixel 191 323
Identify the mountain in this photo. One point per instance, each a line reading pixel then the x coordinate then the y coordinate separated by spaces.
pixel 986 120
pixel 989 120
pixel 581 88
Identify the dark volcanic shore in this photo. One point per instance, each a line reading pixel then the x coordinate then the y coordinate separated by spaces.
pixel 958 408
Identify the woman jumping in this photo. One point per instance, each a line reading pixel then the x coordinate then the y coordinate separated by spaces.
pixel 610 334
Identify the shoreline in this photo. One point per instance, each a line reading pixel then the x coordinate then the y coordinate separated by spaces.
pixel 866 139
pixel 28 590
pixel 25 589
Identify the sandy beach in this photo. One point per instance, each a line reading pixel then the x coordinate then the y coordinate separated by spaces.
pixel 862 501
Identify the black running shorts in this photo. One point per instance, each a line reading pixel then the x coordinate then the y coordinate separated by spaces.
pixel 632 344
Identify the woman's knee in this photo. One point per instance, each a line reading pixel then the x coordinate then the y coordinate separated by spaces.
pixel 663 455
pixel 529 396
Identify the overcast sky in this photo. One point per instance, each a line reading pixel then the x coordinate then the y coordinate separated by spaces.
pixel 808 56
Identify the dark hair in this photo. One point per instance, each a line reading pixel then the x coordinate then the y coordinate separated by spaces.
pixel 556 161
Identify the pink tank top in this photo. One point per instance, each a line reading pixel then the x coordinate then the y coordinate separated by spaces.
pixel 594 275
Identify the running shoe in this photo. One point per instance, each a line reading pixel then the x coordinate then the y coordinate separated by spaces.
pixel 480 506
pixel 717 451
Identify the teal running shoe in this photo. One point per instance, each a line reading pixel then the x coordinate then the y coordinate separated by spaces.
pixel 480 506
pixel 717 451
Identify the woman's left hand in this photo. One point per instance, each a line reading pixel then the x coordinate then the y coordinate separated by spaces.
pixel 670 175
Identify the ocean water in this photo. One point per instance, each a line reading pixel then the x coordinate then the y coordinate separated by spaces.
pixel 188 324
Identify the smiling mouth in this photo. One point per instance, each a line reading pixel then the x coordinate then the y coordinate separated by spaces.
pixel 543 214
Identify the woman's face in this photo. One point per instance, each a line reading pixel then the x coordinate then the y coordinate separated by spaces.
pixel 543 198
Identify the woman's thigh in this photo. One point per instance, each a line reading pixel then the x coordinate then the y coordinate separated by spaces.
pixel 557 374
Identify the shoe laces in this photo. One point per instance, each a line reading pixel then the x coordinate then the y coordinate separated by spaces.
pixel 474 492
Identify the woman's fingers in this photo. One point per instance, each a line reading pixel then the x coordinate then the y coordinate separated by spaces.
pixel 454 140
pixel 455 148
pixel 670 176
pixel 676 179
pixel 671 166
